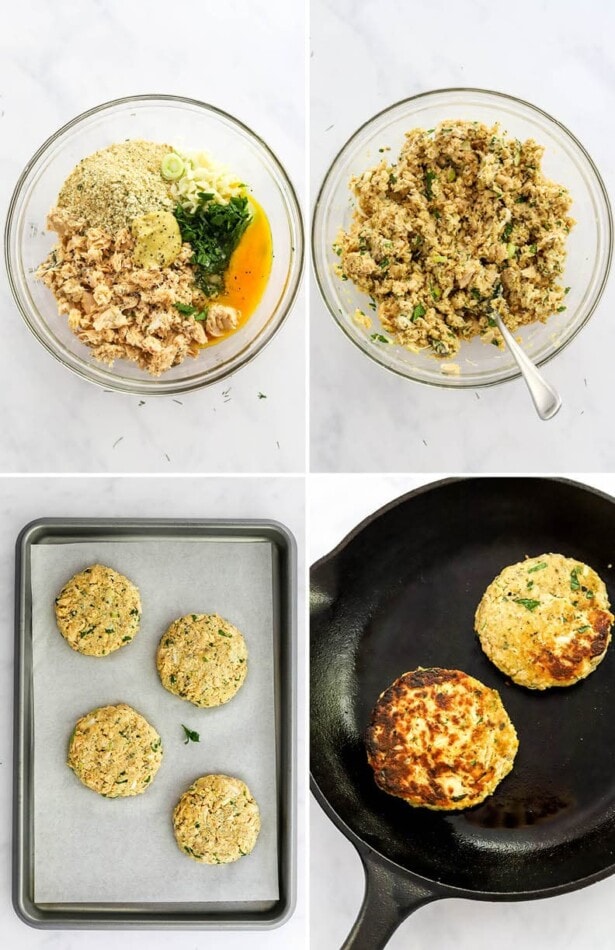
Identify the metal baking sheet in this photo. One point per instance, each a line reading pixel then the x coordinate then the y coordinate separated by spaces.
pixel 77 903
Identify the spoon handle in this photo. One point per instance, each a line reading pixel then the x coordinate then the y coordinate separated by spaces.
pixel 545 398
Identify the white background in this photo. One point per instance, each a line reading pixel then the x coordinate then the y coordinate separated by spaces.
pixel 582 920
pixel 557 54
pixel 62 57
pixel 22 500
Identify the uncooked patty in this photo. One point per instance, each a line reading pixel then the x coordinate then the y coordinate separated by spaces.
pixel 545 621
pixel 115 751
pixel 202 658
pixel 216 820
pixel 98 611
pixel 440 739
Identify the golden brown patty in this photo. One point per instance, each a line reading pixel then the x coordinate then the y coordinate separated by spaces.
pixel 115 751
pixel 216 820
pixel 545 621
pixel 440 739
pixel 98 611
pixel 202 658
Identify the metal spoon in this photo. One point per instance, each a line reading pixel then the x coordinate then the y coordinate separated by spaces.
pixel 545 398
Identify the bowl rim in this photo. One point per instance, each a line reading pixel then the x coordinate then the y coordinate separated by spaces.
pixel 374 353
pixel 293 280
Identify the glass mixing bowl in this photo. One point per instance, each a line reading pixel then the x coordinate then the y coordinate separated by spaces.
pixel 565 160
pixel 187 124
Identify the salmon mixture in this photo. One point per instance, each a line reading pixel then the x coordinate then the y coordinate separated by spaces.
pixel 462 224
pixel 145 266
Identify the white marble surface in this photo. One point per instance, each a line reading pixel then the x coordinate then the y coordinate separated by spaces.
pixel 555 53
pixel 582 920
pixel 22 500
pixel 58 59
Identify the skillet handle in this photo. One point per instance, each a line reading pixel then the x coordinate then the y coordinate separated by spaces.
pixel 389 898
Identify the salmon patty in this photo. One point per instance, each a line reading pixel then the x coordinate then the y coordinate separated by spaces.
pixel 545 621
pixel 202 658
pixel 115 751
pixel 216 821
pixel 440 739
pixel 98 611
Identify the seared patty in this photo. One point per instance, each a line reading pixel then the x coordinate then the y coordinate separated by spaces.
pixel 440 739
pixel 545 621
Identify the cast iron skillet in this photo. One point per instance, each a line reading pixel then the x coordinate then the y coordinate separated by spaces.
pixel 400 592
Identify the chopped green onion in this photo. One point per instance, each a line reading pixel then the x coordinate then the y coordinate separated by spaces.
pixel 172 167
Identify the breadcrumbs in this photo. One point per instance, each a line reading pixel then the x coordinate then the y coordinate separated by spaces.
pixel 117 184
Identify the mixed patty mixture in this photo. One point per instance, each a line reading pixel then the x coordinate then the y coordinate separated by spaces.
pixel 545 621
pixel 462 224
pixel 440 739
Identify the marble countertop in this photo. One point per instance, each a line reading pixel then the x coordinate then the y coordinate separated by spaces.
pixel 24 499
pixel 582 920
pixel 56 60
pixel 367 56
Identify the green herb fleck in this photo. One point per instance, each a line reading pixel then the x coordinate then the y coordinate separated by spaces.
pixel 191 736
pixel 537 567
pixel 189 311
pixel 379 338
pixel 429 180
pixel 527 603
pixel 419 311
pixel 223 633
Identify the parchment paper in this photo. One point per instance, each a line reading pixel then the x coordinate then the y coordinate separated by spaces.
pixel 90 848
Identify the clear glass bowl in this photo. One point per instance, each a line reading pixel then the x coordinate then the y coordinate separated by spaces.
pixel 185 123
pixel 565 160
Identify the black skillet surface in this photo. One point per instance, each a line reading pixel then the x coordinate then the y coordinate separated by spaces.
pixel 401 592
